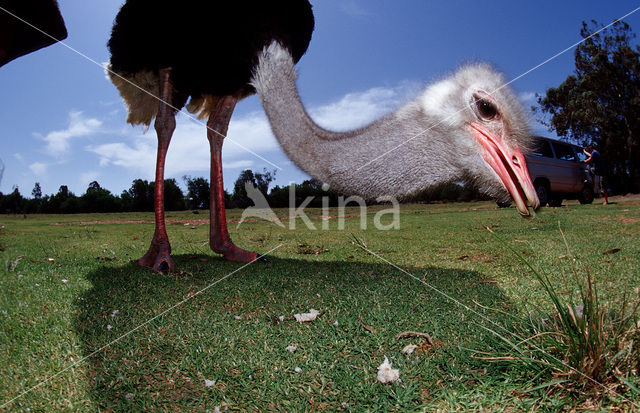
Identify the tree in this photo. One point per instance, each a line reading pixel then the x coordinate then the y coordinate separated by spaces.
pixel 239 196
pixel 13 203
pixel 261 181
pixel 93 186
pixel 97 199
pixel 197 192
pixel 64 201
pixel 35 203
pixel 139 197
pixel 36 193
pixel 68 201
pixel 600 102
pixel 64 193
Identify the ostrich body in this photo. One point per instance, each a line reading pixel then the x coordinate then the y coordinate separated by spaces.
pixel 205 51
pixel 18 38
pixel 467 127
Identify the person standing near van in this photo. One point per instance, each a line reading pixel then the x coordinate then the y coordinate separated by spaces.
pixel 596 167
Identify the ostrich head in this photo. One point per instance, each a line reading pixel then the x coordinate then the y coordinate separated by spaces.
pixel 488 131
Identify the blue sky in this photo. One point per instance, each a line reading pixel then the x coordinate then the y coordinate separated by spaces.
pixel 63 123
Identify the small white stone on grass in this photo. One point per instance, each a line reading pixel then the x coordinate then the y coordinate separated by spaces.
pixel 292 349
pixel 297 370
pixel 64 281
pixel 109 327
pixel 335 323
pixel 409 348
pixel 237 317
pixel 114 313
pixel 386 374
pixel 579 311
pixel 281 318
pixel 209 383
pixel 307 317
pixel 128 396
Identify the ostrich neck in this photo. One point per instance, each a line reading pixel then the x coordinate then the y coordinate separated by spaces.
pixel 386 158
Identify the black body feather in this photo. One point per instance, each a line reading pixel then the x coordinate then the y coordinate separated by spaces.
pixel 211 45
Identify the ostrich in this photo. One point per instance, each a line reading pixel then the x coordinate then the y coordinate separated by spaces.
pixel 202 50
pixel 18 38
pixel 467 127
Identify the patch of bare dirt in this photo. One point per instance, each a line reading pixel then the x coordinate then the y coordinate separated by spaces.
pixel 629 220
pixel 169 221
pixel 99 222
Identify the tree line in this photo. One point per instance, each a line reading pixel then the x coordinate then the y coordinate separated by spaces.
pixel 140 196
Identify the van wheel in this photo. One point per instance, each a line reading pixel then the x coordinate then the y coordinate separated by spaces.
pixel 555 202
pixel 586 196
pixel 543 194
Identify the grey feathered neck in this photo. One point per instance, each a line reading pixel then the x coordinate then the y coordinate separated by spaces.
pixel 419 146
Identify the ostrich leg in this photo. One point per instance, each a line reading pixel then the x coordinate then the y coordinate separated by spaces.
pixel 219 239
pixel 159 254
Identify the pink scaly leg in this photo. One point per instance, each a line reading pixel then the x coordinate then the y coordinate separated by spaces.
pixel 219 239
pixel 158 256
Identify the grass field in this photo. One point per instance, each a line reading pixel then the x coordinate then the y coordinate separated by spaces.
pixel 67 291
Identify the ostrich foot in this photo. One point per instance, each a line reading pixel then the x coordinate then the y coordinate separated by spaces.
pixel 158 257
pixel 232 253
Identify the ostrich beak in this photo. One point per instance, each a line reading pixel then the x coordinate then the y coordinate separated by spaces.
pixel 510 166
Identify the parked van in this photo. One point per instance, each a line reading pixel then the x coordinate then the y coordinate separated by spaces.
pixel 558 173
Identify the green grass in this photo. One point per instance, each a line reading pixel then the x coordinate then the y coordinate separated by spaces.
pixel 46 324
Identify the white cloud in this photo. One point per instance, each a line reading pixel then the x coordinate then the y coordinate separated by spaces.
pixel 138 157
pixel 252 132
pixel 79 126
pixel 18 156
pixel 105 69
pixel 357 109
pixel 528 98
pixel 189 148
pixel 245 163
pixel 88 176
pixel 38 168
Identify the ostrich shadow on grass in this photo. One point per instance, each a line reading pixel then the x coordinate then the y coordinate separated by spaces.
pixel 231 332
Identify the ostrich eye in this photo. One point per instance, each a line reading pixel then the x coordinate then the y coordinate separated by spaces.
pixel 487 109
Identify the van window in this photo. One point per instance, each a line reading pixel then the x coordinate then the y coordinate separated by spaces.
pixel 542 148
pixel 564 152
